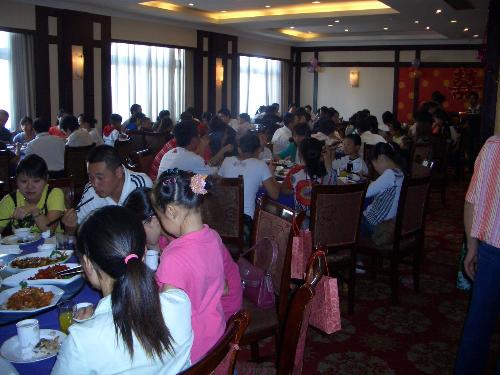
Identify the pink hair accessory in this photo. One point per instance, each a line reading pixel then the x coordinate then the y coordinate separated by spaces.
pixel 198 183
pixel 130 256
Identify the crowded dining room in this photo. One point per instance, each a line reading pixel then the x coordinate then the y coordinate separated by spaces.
pixel 249 187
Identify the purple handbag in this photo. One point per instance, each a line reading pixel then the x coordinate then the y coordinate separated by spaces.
pixel 257 282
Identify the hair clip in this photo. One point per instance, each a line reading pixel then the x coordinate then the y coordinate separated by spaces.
pixel 130 256
pixel 169 181
pixel 198 182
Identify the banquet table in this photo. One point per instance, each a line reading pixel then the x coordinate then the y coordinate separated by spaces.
pixel 48 319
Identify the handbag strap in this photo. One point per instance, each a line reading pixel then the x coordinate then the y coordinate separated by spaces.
pixel 274 247
pixel 317 254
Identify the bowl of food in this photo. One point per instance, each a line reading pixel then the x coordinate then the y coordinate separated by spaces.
pixel 27 300
pixel 22 233
pixel 38 260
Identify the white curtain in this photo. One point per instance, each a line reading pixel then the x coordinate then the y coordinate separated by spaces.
pixel 260 83
pixel 153 77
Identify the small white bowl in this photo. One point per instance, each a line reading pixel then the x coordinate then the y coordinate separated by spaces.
pixel 22 233
pixel 79 306
pixel 47 247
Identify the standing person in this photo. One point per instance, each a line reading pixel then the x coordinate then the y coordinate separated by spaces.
pixel 482 262
pixel 281 137
pixel 193 261
pixel 134 110
pixel 88 123
pixel 49 147
pixel 134 328
pixel 110 183
pixel 27 134
pixel 5 134
pixel 77 137
pixel 112 131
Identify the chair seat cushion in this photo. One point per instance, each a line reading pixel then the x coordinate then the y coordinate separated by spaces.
pixel 260 319
pixel 339 256
pixel 366 245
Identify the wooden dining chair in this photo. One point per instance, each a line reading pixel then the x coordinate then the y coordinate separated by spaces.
pixel 137 140
pixel 75 166
pixel 156 141
pixel 336 212
pixel 290 356
pixel 125 150
pixel 274 221
pixel 222 210
pixel 221 359
pixel 66 184
pixel 440 157
pixel 420 153
pixel 367 152
pixel 409 233
pixel 5 157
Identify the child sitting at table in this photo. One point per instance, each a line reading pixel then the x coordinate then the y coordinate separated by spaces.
pixel 195 260
pixel 134 328
pixel 299 133
pixel 301 178
pixel 351 162
pixel 383 193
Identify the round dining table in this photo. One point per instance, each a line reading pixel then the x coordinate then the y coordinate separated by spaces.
pixel 77 291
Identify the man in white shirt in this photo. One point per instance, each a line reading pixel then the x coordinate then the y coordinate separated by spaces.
pixel 77 136
pixel 367 137
pixel 48 147
pixel 110 184
pixel 184 156
pixel 281 137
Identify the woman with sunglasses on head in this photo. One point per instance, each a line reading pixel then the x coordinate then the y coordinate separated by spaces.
pixel 134 329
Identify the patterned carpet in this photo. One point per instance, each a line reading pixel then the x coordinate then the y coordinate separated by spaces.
pixel 418 336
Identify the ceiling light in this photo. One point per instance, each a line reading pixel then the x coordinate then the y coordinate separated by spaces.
pixel 466 29
pixel 191 4
pixel 268 6
pixel 292 27
pixel 316 2
pixel 453 21
pixel 475 36
pixel 416 21
pixel 309 31
pixel 346 30
pixel 330 25
pixel 428 28
pixel 298 34
pixel 223 11
pixel 438 11
pixel 336 21
pixel 386 28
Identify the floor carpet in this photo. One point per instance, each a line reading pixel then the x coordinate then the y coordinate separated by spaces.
pixel 420 335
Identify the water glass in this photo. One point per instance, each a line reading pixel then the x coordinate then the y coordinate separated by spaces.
pixel 65 315
pixel 61 241
pixel 28 333
pixel 152 259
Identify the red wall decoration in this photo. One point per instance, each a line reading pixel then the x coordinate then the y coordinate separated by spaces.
pixel 454 83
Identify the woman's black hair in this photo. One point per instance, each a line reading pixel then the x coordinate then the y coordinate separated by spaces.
pixel 249 143
pixel 311 149
pixel 139 201
pixel 106 238
pixel 391 150
pixel 33 166
pixel 88 119
pixel 174 186
pixel 41 125
pixel 355 138
pixel 26 119
pixel 301 129
pixel 69 123
pixel 166 125
pixel 245 117
pixel 325 126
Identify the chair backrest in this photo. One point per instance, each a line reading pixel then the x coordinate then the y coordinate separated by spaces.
pixel 336 212
pixel 137 139
pixel 75 163
pixel 367 152
pixel 440 153
pixel 273 220
pixel 222 357
pixel 156 141
pixel 421 151
pixel 222 210
pixel 66 184
pixel 4 169
pixel 125 150
pixel 296 323
pixel 415 206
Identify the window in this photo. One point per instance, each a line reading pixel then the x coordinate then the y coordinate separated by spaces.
pixel 260 83
pixel 150 76
pixel 6 91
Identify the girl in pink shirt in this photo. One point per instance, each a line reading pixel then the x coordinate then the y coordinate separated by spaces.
pixel 195 260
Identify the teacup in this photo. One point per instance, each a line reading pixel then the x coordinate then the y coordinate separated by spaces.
pixel 47 247
pixel 28 333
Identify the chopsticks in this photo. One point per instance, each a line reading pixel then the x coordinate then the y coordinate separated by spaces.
pixel 76 208
pixel 70 272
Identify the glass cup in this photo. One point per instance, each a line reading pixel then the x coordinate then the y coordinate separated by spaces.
pixel 28 333
pixel 65 315
pixel 152 259
pixel 61 240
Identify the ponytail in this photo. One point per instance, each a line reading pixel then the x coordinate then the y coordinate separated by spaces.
pixel 311 150
pixel 113 239
pixel 392 151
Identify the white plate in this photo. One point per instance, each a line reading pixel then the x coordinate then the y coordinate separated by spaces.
pixel 16 278
pixel 39 254
pixel 6 368
pixel 4 296
pixel 82 305
pixel 12 352
pixel 12 240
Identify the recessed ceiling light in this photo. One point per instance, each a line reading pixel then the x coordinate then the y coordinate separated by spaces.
pixel 416 21
pixel 386 28
pixel 336 21
pixel 191 4
pixel 268 6
pixel 428 28
pixel 475 36
pixel 223 11
pixel 316 2
pixel 453 21
pixel 346 30
pixel 309 31
pixel 438 11
pixel 466 29
pixel 330 25
pixel 292 27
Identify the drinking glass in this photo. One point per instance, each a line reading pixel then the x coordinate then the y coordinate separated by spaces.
pixel 61 239
pixel 65 315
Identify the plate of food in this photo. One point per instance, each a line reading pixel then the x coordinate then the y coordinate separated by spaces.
pixel 43 276
pixel 29 299
pixel 38 260
pixel 47 347
pixel 18 239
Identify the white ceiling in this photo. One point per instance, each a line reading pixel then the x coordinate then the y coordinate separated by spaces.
pixel 363 29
